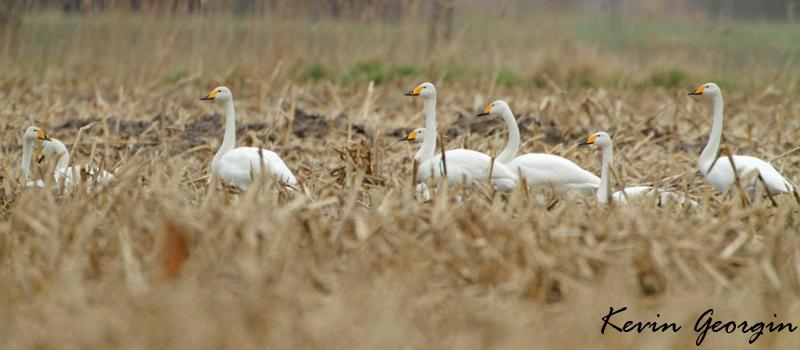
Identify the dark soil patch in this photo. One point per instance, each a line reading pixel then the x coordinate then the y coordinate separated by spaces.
pixel 488 126
pixel 121 127
pixel 305 125
pixel 309 125
pixel 543 123
pixel 212 126
pixel 466 124
pixel 342 121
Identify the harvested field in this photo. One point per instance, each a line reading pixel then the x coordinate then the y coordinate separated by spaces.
pixel 166 258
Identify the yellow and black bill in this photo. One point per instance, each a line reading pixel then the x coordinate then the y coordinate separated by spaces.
pixel 410 137
pixel 211 95
pixel 588 141
pixel 415 92
pixel 698 91
pixel 485 111
pixel 41 135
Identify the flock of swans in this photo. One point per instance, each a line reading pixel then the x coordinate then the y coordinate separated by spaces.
pixel 239 167
pixel 63 174
pixel 541 170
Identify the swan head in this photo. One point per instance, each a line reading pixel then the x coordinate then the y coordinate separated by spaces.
pixel 495 108
pixel 706 89
pixel 34 133
pixel 416 135
pixel 599 138
pixel 426 90
pixel 220 93
pixel 50 147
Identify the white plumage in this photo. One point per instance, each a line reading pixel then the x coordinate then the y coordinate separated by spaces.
pixel 29 137
pixel 463 166
pixel 551 171
pixel 236 166
pixel 721 176
pixel 468 167
pixel 664 197
pixel 718 170
pixel 239 166
pixel 603 140
pixel 54 148
pixel 541 170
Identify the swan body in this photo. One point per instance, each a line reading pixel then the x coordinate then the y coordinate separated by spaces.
pixel 603 140
pixel 721 176
pixel 718 170
pixel 69 175
pixel 551 171
pixel 540 170
pixel 467 167
pixel 238 166
pixel 35 183
pixel 641 191
pixel 29 137
pixel 463 166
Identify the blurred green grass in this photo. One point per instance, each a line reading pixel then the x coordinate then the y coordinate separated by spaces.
pixel 575 52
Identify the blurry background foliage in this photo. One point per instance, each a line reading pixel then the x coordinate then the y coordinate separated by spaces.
pixel 512 43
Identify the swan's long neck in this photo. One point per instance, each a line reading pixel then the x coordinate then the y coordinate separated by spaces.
pixel 510 151
pixel 63 159
pixel 429 142
pixel 229 140
pixel 27 150
pixel 608 159
pixel 712 147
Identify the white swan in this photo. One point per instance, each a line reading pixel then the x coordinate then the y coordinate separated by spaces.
pixel 718 170
pixel 53 148
pixel 602 140
pixel 462 165
pixel 29 137
pixel 541 170
pixel 237 166
pixel 415 136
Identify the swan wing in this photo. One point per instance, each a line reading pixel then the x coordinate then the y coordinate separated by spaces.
pixel 630 193
pixel 468 166
pixel 547 170
pixel 236 166
pixel 72 175
pixel 721 175
pixel 640 191
pixel 34 183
